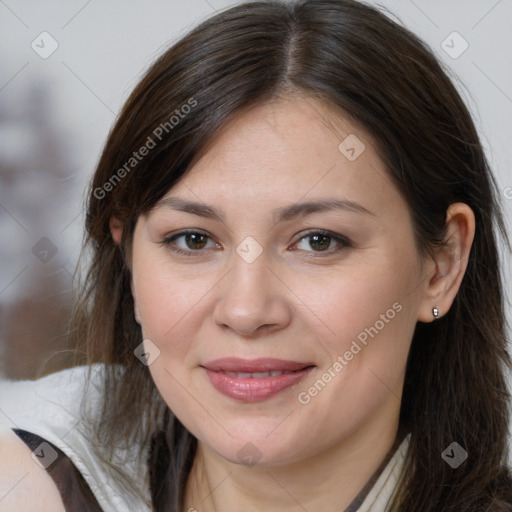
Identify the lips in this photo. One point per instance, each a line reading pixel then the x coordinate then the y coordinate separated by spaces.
pixel 256 379
pixel 256 375
pixel 237 365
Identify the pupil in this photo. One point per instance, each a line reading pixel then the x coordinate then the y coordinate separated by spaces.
pixel 195 240
pixel 321 242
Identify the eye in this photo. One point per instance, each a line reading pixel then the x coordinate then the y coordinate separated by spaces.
pixel 189 242
pixel 322 241
pixel 192 242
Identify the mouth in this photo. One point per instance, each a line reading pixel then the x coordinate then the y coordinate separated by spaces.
pixel 254 380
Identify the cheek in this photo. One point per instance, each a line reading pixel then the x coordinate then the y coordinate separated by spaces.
pixel 367 319
pixel 348 305
pixel 172 309
pixel 169 304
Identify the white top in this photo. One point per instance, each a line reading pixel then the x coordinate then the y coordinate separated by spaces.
pixel 50 408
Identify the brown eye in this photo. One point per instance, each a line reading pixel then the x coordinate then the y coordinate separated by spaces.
pixel 196 240
pixel 190 243
pixel 320 242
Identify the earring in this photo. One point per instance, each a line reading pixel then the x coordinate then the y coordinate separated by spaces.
pixel 435 312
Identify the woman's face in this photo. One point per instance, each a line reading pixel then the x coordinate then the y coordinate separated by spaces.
pixel 300 261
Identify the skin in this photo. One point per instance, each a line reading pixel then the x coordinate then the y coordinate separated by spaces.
pixel 23 482
pixel 293 302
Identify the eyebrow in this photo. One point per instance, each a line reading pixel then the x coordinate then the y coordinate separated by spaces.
pixel 282 214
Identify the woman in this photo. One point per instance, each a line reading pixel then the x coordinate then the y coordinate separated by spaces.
pixel 294 287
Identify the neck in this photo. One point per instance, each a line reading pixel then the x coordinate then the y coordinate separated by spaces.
pixel 328 481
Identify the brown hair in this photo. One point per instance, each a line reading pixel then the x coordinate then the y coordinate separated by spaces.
pixel 380 74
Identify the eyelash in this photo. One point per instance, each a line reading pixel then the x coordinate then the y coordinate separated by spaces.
pixel 341 240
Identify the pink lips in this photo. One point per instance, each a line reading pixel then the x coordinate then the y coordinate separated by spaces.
pixel 254 380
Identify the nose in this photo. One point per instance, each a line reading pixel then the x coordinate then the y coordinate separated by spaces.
pixel 252 300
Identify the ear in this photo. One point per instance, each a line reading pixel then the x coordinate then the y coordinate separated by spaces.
pixel 116 229
pixel 449 262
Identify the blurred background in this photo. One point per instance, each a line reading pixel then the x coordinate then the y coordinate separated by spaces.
pixel 65 70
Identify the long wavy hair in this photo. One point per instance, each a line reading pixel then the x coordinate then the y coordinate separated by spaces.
pixel 378 73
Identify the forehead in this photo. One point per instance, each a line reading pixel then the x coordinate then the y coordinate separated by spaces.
pixel 287 150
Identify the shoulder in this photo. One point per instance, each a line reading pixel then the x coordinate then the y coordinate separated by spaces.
pixel 49 407
pixel 62 409
pixel 23 482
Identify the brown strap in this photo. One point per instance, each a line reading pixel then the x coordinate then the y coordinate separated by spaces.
pixel 74 491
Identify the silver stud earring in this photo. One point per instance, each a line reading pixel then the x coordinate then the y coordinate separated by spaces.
pixel 435 312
